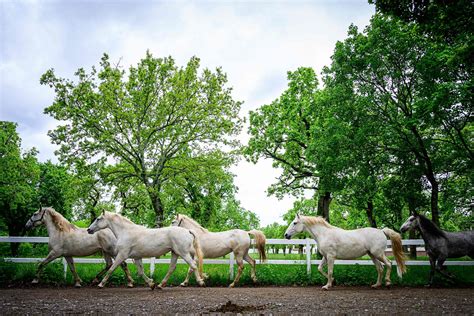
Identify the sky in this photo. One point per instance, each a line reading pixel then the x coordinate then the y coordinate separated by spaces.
pixel 255 43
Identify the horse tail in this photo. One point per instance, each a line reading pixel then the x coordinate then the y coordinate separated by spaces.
pixel 260 243
pixel 397 250
pixel 199 255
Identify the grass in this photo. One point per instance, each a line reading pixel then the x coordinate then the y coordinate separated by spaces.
pixel 268 275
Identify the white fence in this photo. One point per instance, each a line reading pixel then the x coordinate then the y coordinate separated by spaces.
pixel 307 243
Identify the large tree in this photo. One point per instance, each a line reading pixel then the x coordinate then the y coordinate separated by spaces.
pixel 394 70
pixel 291 132
pixel 25 183
pixel 19 175
pixel 150 122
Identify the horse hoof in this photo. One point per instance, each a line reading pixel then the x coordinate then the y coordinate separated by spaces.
pixel 77 285
pixel 326 288
pixel 35 281
pixel 202 284
pixel 376 286
pixel 427 285
pixel 388 284
pixel 152 286
pixel 100 286
pixel 161 285
pixel 130 285
pixel 231 285
pixel 184 284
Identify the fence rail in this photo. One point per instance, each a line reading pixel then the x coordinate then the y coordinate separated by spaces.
pixel 307 243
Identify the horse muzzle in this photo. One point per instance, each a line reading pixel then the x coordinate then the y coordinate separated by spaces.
pixel 90 231
pixel 287 236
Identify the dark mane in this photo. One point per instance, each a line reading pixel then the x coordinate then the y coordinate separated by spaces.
pixel 430 227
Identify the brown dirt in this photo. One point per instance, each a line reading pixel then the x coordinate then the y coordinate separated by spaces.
pixel 172 300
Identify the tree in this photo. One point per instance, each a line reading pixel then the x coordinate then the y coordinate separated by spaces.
pixel 19 175
pixel 25 183
pixel 390 67
pixel 152 121
pixel 291 131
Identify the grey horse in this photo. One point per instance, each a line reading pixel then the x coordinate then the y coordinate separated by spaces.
pixel 440 244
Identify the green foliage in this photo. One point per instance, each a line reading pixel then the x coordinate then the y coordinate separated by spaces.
pixel 158 122
pixel 19 178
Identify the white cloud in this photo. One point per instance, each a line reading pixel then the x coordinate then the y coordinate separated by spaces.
pixel 256 43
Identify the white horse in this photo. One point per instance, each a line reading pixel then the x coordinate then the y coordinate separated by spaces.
pixel 337 243
pixel 219 244
pixel 135 241
pixel 66 240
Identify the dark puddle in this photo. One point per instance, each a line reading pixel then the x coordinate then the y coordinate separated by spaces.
pixel 230 307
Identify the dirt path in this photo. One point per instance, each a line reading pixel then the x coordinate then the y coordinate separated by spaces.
pixel 340 300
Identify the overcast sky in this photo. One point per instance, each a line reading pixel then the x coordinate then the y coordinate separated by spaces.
pixel 256 43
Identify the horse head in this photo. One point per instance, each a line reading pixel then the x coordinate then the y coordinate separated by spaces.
pixel 296 227
pixel 410 223
pixel 36 219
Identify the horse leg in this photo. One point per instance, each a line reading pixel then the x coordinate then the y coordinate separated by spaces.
pixel 240 264
pixel 108 264
pixel 51 256
pixel 118 260
pixel 139 264
pixel 77 279
pixel 193 267
pixel 172 267
pixel 379 268
pixel 127 273
pixel 188 275
pixel 252 264
pixel 388 264
pixel 330 261
pixel 432 270
pixel 442 269
pixel 321 267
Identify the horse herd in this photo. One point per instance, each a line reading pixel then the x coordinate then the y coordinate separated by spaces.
pixel 118 238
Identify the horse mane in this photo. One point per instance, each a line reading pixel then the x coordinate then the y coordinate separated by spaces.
pixel 316 220
pixel 115 215
pixel 61 223
pixel 193 222
pixel 430 227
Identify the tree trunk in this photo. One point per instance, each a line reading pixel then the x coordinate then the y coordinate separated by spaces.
pixel 412 233
pixel 370 214
pixel 158 208
pixel 434 201
pixel 424 159
pixel 14 246
pixel 323 205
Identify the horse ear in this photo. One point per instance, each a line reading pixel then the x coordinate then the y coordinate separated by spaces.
pixel 298 215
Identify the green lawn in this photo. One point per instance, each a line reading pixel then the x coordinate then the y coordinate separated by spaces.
pixel 11 274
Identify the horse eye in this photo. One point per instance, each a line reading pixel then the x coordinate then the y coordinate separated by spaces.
pixel 295 223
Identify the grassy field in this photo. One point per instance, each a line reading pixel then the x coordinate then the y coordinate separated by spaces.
pixel 12 274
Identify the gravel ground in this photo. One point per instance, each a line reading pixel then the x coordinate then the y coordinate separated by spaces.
pixel 172 300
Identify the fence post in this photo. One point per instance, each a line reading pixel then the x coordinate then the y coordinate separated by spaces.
pixel 152 266
pixel 308 257
pixel 231 265
pixel 64 268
